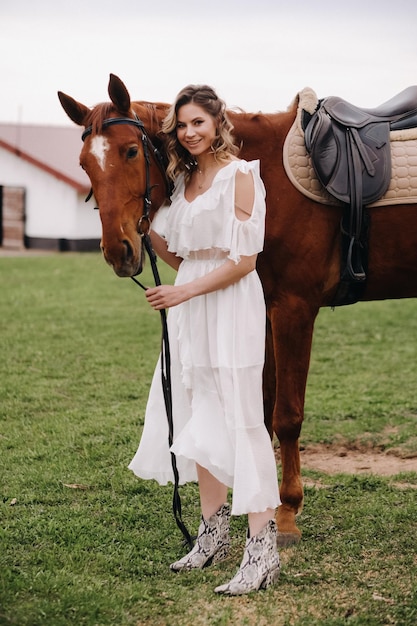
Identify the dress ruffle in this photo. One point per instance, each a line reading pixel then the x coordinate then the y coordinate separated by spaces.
pixel 190 228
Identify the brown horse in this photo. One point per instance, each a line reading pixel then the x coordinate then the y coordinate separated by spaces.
pixel 300 264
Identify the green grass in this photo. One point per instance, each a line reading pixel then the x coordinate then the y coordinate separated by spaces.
pixel 83 542
pixel 363 375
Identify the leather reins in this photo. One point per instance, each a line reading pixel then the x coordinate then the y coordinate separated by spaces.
pixel 143 229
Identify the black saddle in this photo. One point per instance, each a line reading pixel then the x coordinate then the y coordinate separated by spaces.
pixel 351 155
pixel 400 111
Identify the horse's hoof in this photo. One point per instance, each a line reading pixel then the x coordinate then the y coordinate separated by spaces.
pixel 287 539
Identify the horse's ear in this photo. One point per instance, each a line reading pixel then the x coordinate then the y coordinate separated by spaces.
pixel 76 111
pixel 119 95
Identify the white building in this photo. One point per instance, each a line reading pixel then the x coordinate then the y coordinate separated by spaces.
pixel 43 190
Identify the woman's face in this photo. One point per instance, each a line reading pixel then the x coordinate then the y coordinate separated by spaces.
pixel 196 129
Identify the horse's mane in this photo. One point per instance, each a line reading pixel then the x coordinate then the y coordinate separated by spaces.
pixel 97 116
pixel 150 112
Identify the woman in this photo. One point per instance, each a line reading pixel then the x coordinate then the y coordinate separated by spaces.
pixel 214 230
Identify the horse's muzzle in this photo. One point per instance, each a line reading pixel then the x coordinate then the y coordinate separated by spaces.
pixel 126 263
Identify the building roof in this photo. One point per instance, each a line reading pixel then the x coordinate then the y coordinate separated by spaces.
pixel 54 149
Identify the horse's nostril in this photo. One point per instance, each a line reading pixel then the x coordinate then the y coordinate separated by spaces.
pixel 129 250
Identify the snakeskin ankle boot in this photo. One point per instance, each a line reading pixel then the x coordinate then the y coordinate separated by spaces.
pixel 212 543
pixel 260 564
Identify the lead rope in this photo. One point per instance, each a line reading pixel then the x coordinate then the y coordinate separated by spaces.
pixel 165 354
pixel 167 391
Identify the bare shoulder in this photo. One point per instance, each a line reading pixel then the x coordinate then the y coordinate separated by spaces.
pixel 244 179
pixel 244 194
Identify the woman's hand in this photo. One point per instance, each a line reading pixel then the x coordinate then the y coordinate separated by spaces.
pixel 165 296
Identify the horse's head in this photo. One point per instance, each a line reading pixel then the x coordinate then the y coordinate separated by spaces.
pixel 121 158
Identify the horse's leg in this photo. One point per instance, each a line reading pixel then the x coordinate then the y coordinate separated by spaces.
pixel 292 322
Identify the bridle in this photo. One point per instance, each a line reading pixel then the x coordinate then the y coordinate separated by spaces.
pixel 143 228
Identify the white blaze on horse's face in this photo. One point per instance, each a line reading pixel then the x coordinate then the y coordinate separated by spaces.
pixel 99 147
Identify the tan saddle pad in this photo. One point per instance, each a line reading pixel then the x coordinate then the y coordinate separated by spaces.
pixel 299 169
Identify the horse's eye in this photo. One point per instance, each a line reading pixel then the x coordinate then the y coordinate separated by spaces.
pixel 132 152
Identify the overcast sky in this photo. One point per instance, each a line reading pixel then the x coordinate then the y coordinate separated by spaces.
pixel 257 53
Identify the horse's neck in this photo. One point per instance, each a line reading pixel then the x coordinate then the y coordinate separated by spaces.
pixel 261 134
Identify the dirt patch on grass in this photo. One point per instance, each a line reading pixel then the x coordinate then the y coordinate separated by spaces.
pixel 341 459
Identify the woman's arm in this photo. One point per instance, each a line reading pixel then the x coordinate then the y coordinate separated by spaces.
pixel 160 247
pixel 166 296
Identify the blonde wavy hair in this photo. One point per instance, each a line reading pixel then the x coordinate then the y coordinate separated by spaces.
pixel 223 145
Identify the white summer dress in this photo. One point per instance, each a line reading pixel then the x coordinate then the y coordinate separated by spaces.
pixel 217 345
